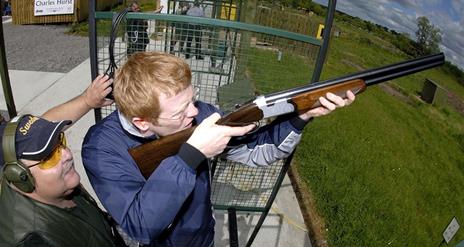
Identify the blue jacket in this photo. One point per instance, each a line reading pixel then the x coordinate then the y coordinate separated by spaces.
pixel 172 207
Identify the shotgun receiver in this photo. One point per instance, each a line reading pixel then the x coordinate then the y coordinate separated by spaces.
pixel 300 99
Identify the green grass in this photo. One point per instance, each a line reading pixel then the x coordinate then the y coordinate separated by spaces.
pixel 270 75
pixel 383 172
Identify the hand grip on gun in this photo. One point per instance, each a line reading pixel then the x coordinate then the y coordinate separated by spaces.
pixel 211 139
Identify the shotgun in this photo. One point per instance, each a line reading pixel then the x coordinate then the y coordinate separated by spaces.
pixel 300 99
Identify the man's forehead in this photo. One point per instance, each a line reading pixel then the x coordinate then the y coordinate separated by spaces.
pixel 172 94
pixel 176 101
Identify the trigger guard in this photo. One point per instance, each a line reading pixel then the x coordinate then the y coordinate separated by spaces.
pixel 256 128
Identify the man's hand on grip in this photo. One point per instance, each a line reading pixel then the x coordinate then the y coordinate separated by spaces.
pixel 328 103
pixel 211 139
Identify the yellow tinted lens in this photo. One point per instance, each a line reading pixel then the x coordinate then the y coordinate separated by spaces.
pixel 54 158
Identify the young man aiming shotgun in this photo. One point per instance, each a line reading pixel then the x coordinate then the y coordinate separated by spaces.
pixel 171 206
pixel 301 99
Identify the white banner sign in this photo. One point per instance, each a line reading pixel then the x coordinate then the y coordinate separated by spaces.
pixel 53 7
pixel 451 230
pixel 164 3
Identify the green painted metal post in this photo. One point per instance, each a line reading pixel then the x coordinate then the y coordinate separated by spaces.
pixel 326 38
pixel 248 16
pixel 5 76
pixel 93 49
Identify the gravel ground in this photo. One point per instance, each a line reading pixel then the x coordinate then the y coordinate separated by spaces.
pixel 43 48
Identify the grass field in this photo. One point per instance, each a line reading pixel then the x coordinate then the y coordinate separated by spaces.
pixel 384 171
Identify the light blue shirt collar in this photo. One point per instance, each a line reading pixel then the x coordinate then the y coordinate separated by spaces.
pixel 128 126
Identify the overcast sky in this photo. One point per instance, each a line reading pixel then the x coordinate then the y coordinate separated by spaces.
pixel 401 15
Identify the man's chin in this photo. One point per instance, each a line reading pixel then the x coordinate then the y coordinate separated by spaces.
pixel 74 178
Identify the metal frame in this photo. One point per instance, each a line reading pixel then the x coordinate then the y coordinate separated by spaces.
pixel 93 49
pixel 228 25
pixel 326 39
pixel 215 22
pixel 4 76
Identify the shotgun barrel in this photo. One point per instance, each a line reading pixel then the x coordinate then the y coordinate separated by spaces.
pixel 371 76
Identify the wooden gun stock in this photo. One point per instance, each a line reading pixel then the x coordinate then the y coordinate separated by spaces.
pixel 301 99
pixel 149 156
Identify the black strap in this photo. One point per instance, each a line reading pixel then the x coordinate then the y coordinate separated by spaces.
pixel 118 240
pixel 113 35
pixel 117 18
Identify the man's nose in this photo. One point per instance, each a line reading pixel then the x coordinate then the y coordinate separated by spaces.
pixel 192 110
pixel 66 153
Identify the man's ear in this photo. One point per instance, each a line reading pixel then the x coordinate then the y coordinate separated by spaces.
pixel 141 124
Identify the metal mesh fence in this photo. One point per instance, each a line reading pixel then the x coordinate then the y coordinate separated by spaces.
pixel 243 187
pixel 229 66
pixel 216 9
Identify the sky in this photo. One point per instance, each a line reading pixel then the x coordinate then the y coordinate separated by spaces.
pixel 401 15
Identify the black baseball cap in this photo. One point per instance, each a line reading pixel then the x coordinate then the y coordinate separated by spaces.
pixel 35 137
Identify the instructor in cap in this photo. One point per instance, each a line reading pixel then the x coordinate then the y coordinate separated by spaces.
pixel 42 202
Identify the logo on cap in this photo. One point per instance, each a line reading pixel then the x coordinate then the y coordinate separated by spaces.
pixel 24 129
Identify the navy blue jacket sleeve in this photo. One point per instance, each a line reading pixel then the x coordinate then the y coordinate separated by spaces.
pixel 266 145
pixel 142 208
pixel 269 143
